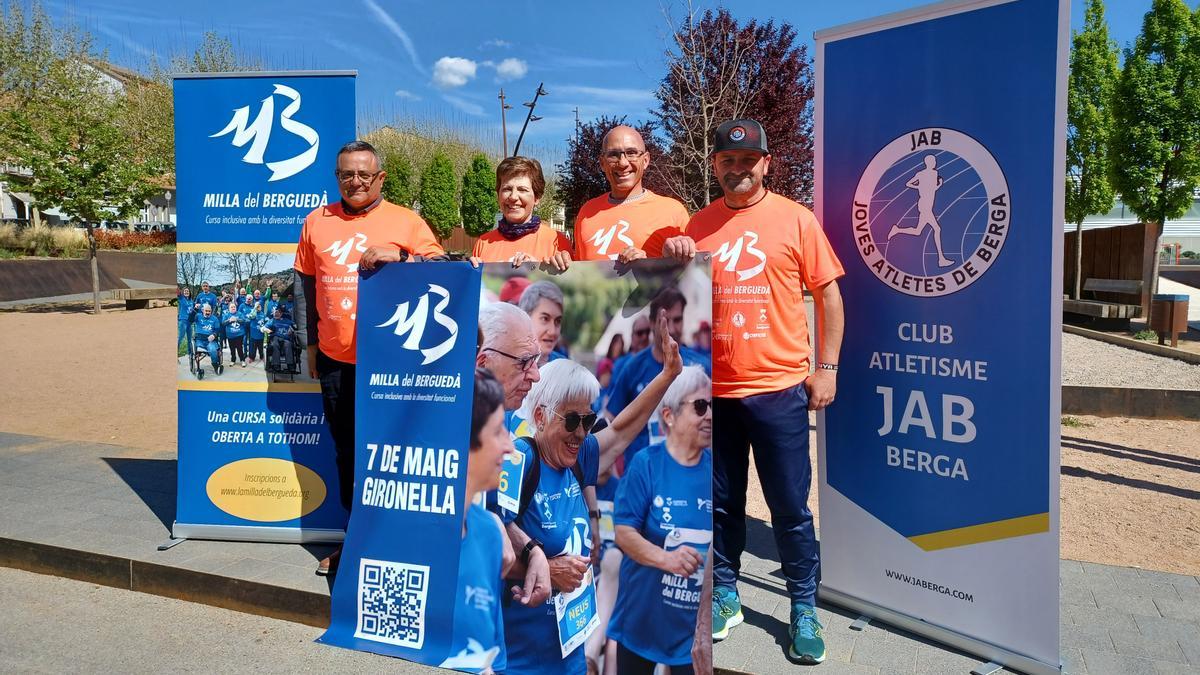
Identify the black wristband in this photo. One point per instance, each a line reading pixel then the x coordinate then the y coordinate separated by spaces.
pixel 529 546
pixel 594 514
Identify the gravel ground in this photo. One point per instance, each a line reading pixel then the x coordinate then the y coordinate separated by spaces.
pixel 1098 364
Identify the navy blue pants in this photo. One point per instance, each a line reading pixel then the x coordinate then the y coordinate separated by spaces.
pixel 337 395
pixel 775 425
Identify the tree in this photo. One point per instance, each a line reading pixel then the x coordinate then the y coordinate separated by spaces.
pixel 581 175
pixel 63 123
pixel 1092 82
pixel 479 197
pixel 193 268
pixel 718 70
pixel 1156 144
pixel 398 186
pixel 547 208
pixel 438 206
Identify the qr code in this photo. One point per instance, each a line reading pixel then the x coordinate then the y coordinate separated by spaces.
pixel 391 602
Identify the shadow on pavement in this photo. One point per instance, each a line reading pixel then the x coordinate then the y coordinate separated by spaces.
pixel 153 480
pixel 1121 451
pixel 1131 482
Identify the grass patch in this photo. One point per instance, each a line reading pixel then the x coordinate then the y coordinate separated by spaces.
pixel 1073 422
pixel 1147 335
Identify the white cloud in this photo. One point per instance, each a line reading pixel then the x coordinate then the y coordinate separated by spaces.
pixel 407 95
pixel 511 69
pixel 453 71
pixel 464 105
pixel 607 94
pixel 390 23
pixel 497 44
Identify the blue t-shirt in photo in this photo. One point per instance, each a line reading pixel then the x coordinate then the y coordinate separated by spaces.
pixel 478 624
pixel 235 324
pixel 207 325
pixel 670 505
pixel 558 517
pixel 637 372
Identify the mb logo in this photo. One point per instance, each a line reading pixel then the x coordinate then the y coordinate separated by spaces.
pixel 604 238
pixel 730 253
pixel 341 250
pixel 258 134
pixel 411 324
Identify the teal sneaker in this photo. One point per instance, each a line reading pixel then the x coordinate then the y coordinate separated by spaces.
pixel 727 612
pixel 805 633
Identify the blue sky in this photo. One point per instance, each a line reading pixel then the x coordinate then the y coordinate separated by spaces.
pixel 446 61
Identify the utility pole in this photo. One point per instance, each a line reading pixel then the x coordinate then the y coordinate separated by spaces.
pixel 503 124
pixel 530 117
pixel 576 125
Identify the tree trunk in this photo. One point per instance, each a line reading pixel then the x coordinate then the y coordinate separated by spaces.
pixel 1152 282
pixel 35 217
pixel 1078 257
pixel 91 235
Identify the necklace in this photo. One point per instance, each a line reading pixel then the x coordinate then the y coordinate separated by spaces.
pixel 739 208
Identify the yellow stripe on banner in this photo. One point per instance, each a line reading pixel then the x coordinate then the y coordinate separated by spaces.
pixel 287 387
pixel 234 247
pixel 976 534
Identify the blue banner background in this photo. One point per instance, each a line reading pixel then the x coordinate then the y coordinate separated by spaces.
pixel 996 74
pixel 417 553
pixel 214 166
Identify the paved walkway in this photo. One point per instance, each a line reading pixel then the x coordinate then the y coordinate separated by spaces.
pixel 97 512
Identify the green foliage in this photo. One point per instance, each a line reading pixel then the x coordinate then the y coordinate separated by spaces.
pixel 1145 335
pixel 479 197
pixel 1190 255
pixel 1090 117
pixel 547 209
pixel 216 54
pixel 1073 422
pixel 589 301
pixel 1156 144
pixel 398 187
pixel 438 206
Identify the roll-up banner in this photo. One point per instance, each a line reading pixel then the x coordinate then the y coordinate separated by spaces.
pixel 940 175
pixel 254 154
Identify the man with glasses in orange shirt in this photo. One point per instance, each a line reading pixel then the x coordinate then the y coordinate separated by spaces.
pixel 360 231
pixel 629 216
pixel 767 250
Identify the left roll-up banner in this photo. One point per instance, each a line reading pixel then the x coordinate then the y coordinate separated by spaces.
pixel 254 155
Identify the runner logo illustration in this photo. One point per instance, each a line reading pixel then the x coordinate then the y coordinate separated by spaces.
pixel 730 253
pixel 258 134
pixel 413 323
pixel 341 250
pixel 931 212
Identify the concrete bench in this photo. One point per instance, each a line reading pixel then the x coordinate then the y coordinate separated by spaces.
pixel 1107 310
pixel 139 298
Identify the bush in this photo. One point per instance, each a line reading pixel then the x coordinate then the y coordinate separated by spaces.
pixel 42 241
pixel 117 240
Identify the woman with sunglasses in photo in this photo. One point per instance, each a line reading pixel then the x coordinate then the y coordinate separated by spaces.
pixel 556 517
pixel 663 519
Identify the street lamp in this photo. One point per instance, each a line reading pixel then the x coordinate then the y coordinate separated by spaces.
pixel 530 117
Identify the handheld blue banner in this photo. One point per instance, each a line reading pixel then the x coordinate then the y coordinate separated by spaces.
pixel 395 593
pixel 255 154
pixel 940 135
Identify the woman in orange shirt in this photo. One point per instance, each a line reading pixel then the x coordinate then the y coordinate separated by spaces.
pixel 520 236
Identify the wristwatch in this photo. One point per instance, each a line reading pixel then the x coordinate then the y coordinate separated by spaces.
pixel 594 514
pixel 529 546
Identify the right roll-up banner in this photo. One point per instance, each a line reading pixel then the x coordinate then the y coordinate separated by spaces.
pixel 940 143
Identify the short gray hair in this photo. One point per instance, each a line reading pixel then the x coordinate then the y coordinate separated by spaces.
pixel 562 380
pixel 692 378
pixel 538 291
pixel 496 320
pixel 361 146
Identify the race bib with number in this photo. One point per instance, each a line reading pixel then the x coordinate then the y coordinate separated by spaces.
pixel 576 614
pixel 512 474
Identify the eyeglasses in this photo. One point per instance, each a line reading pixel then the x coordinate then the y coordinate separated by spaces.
pixel 700 405
pixel 351 176
pixel 572 420
pixel 614 156
pixel 523 362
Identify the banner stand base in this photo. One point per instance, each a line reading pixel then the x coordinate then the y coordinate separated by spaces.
pixel 997 656
pixel 273 535
pixel 989 668
pixel 171 543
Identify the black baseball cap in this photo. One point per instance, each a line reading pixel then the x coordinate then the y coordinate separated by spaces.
pixel 745 134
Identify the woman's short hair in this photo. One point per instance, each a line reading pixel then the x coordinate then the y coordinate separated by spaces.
pixel 513 167
pixel 489 395
pixel 562 380
pixel 692 378
pixel 538 291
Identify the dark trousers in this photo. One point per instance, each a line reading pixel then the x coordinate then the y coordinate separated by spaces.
pixel 629 663
pixel 337 394
pixel 256 348
pixel 236 353
pixel 776 426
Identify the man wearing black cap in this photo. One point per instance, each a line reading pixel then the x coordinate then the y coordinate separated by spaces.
pixel 767 250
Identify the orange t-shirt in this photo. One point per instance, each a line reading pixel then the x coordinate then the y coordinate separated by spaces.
pixel 604 229
pixel 763 258
pixel 331 243
pixel 540 244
